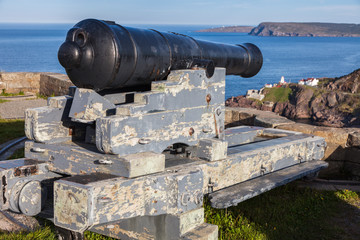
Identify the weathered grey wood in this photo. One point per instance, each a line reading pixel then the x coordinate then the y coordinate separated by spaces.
pixel 89 105
pixel 242 134
pixel 233 195
pixel 80 204
pixel 70 158
pixel 161 227
pixel 164 119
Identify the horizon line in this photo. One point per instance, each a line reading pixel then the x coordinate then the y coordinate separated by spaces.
pixel 183 24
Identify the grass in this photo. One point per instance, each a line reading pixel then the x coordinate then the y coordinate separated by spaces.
pixel 11 129
pixel 280 94
pixel 38 95
pixel 287 212
pixel 19 153
pixel 5 94
pixel 3 100
pixel 45 233
pixel 284 213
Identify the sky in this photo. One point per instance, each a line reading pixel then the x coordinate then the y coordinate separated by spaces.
pixel 202 12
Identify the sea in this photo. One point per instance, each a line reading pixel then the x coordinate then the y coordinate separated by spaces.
pixel 33 48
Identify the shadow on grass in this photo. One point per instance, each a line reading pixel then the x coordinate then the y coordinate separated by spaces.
pixel 11 129
pixel 289 212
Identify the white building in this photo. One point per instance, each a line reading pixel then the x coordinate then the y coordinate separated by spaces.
pixel 309 82
pixel 256 94
pixel 282 80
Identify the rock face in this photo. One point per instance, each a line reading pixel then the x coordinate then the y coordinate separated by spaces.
pixel 335 103
pixel 287 29
pixel 349 83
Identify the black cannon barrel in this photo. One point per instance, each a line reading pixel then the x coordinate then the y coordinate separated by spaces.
pixel 104 55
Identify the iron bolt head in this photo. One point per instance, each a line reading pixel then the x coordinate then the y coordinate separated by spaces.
pixel 191 131
pixel 208 98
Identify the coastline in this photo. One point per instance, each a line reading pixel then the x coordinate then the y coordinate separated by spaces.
pixel 293 29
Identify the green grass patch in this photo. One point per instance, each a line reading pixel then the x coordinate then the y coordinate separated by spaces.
pixel 38 95
pixel 11 129
pixel 19 153
pixel 275 94
pixel 284 213
pixel 46 233
pixel 5 94
pixel 3 100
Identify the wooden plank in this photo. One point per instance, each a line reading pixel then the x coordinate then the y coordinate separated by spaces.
pixel 235 194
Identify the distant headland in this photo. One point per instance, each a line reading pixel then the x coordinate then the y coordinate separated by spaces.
pixel 242 29
pixel 292 29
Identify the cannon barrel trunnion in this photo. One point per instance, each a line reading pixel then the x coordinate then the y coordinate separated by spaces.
pixel 132 150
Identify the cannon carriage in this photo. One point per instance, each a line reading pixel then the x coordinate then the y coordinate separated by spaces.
pixel 131 151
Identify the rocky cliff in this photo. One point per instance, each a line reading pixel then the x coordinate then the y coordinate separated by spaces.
pixel 289 29
pixel 335 102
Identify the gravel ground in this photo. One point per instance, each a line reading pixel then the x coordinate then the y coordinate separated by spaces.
pixel 15 109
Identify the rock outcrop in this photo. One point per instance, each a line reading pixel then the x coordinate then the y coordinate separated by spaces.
pixel 335 103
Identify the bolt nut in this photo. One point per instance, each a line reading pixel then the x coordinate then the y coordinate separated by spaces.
pixel 208 98
pixel 191 131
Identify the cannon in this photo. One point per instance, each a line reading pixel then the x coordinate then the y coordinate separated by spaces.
pixel 133 149
pixel 104 55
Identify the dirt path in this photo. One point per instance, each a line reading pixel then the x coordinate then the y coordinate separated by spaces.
pixel 15 109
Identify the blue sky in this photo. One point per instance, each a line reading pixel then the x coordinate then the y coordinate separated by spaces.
pixel 207 12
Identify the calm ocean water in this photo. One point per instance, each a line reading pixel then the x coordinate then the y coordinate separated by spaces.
pixel 33 47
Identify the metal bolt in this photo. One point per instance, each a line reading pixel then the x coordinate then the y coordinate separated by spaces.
pixel 38 150
pixel 144 141
pixel 300 157
pixel 206 130
pixel 208 98
pixel 105 161
pixel 191 131
pixel 263 170
pixel 17 172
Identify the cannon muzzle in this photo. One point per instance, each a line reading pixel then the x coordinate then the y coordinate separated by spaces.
pixel 103 55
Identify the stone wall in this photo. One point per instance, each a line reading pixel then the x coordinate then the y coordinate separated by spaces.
pixel 14 82
pixel 47 84
pixel 343 144
pixel 54 84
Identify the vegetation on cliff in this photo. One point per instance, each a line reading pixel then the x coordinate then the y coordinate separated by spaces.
pixel 335 102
